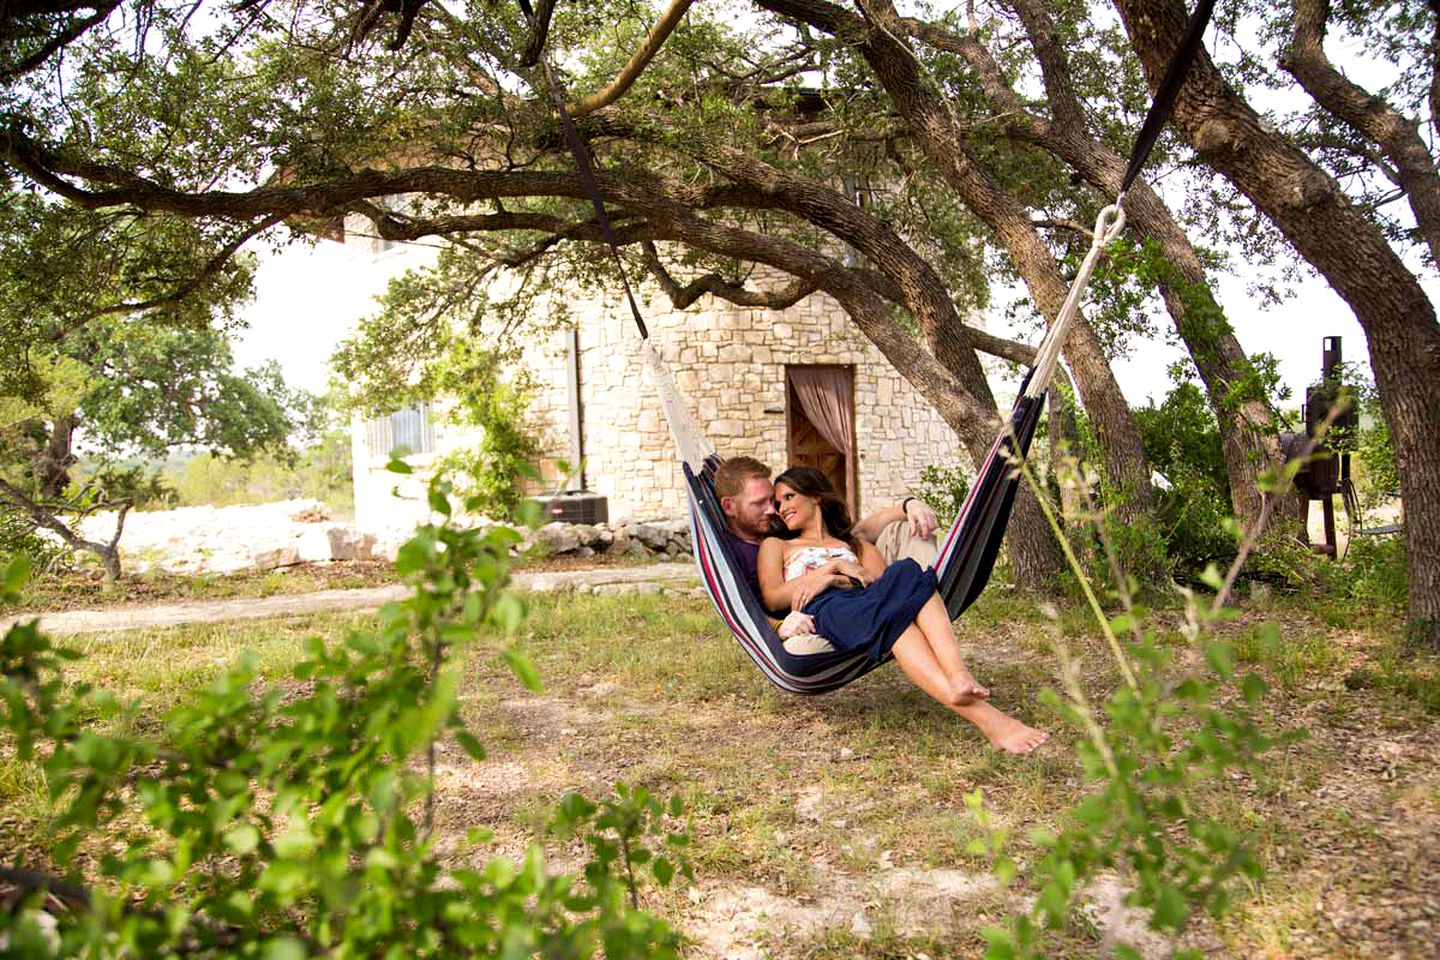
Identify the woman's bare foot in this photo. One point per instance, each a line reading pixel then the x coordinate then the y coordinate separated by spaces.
pixel 1004 731
pixel 968 690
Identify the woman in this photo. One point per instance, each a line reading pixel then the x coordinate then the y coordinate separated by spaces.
pixel 863 605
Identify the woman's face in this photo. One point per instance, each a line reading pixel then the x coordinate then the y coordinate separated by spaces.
pixel 794 508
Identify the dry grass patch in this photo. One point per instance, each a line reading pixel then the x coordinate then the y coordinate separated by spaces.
pixel 835 826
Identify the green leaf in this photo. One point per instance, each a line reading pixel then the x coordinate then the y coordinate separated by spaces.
pixel 472 746
pixel 284 948
pixel 242 839
pixel 508 613
pixel 399 466
pixel 523 668
pixel 664 871
pixel 17 573
pixel 1170 911
pixel 1221 657
pixel 1253 687
pixel 439 502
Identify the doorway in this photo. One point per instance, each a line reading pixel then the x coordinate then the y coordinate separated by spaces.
pixel 820 425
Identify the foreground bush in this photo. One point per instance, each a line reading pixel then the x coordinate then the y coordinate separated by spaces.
pixel 256 823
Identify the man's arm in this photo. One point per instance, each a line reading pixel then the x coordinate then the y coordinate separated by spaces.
pixel 922 520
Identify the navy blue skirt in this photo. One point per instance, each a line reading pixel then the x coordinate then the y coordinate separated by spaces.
pixel 872 619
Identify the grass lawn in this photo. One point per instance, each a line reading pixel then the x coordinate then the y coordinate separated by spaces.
pixel 835 827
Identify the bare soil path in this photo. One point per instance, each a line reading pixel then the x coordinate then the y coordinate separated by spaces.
pixel 647 578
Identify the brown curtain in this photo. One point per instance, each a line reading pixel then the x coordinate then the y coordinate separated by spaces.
pixel 824 394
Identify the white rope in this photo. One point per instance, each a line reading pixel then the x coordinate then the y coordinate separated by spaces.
pixel 690 441
pixel 1108 226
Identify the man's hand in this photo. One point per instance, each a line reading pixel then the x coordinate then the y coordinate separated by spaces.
pixel 921 518
pixel 796 624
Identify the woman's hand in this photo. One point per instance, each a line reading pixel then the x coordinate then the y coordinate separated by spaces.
pixel 810 586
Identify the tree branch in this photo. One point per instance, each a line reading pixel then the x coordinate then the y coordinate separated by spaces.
pixel 42 517
pixel 721 287
pixel 211 268
pixel 1396 135
pixel 639 60
pixel 64 38
pixel 535 36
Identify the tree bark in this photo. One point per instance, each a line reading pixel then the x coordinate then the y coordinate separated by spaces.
pixel 1247 425
pixel 51 464
pixel 1397 135
pixel 1350 251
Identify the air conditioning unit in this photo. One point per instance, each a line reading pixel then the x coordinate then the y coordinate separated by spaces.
pixel 575 506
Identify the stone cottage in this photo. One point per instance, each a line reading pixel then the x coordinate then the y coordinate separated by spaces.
pixel 794 386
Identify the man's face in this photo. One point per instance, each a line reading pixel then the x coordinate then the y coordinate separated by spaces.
pixel 752 512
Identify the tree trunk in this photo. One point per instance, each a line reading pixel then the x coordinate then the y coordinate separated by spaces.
pixel 51 464
pixel 1330 232
pixel 936 132
pixel 1247 430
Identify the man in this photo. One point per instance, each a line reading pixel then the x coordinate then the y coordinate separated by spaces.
pixel 747 497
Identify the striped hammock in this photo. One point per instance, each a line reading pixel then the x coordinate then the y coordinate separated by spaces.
pixel 967 552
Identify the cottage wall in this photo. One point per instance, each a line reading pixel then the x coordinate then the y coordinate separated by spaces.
pixel 729 363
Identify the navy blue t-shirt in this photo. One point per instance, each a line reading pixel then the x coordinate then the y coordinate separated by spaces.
pixel 747 557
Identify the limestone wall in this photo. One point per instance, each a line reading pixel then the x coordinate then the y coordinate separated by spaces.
pixel 730 364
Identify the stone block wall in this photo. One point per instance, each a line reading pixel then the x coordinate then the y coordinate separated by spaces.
pixel 729 363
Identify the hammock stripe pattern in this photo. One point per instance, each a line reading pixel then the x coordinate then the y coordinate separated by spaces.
pixel 963 567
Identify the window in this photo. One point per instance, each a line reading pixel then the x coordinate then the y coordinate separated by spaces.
pixel 402 433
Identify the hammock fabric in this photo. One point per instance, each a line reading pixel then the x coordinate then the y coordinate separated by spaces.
pixel 968 551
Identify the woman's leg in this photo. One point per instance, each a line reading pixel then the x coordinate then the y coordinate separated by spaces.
pixel 915 656
pixel 934 622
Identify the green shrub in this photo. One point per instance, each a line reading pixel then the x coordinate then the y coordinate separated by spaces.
pixel 286 821
pixel 1170 725
pixel 1182 442
pixel 1375 572
pixel 944 489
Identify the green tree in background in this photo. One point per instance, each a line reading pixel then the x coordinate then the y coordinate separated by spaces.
pixel 120 328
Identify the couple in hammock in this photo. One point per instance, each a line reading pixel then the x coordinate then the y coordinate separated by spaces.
pixel 795 543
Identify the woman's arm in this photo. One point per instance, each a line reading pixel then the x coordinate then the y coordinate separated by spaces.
pixel 781 594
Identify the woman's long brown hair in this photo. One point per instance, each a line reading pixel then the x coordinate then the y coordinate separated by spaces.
pixel 834 512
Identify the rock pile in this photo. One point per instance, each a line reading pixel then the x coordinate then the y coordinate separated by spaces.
pixel 271 535
pixel 226 539
pixel 651 538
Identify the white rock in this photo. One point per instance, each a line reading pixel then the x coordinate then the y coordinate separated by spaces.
pixel 558 538
pixel 278 557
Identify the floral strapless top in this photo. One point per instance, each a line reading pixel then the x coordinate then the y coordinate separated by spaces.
pixel 805 559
